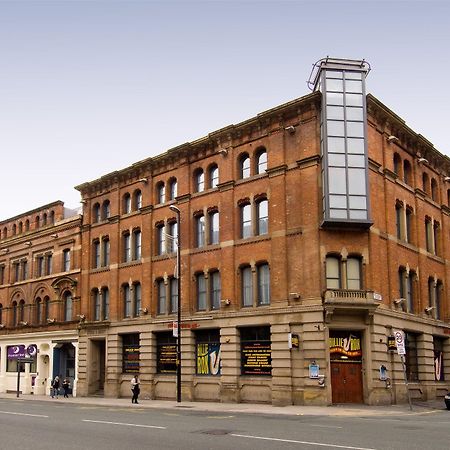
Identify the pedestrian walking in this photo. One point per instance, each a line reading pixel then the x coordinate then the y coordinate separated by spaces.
pixel 135 389
pixel 55 387
pixel 66 387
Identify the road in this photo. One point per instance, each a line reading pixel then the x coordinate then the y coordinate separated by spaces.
pixel 57 425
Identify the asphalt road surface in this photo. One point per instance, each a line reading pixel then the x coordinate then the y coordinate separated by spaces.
pixel 57 425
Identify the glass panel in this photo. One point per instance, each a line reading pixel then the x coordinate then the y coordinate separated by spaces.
pixel 246 221
pixel 247 295
pixel 353 86
pixel 338 201
pixel 357 181
pixel 353 100
pixel 335 112
pixel 357 202
pixel 355 129
pixel 335 128
pixel 353 113
pixel 336 145
pixel 334 98
pixel 332 273
pixel 360 215
pixel 334 74
pixel 201 293
pixel 356 161
pixel 336 160
pixel 338 214
pixel 355 145
pixel 263 285
pixel 335 85
pixel 336 181
pixel 353 75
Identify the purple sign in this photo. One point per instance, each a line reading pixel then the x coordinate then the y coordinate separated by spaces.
pixel 19 351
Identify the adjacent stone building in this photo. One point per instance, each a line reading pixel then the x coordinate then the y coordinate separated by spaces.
pixel 309 234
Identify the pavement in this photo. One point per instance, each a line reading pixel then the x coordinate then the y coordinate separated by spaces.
pixel 423 407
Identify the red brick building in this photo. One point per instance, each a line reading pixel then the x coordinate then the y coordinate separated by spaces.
pixel 40 257
pixel 309 235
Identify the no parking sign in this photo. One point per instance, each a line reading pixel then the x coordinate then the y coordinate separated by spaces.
pixel 400 342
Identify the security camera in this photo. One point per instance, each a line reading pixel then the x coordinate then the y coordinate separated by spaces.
pixel 428 309
pixel 143 180
pixel 23 323
pixel 447 179
pixel 399 301
pixel 143 310
pixel 82 317
pixel 51 320
pixel 422 160
pixel 223 151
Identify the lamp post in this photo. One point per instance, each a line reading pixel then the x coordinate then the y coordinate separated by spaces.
pixel 178 213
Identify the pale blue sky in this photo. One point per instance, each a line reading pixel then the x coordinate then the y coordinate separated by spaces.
pixel 89 87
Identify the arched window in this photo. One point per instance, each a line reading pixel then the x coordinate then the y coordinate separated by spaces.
pixel 14 314
pixel 38 310
pixel 137 297
pixel 213 176
pixel 106 251
pixel 200 230
pixel 5 230
pixel 105 303
pixel 199 180
pixel 244 166
pixel 68 307
pixel 246 220
pixel 106 209
pixel 27 225
pixel 96 303
pixel 261 161
pixel 21 311
pixel 160 193
pixel 161 296
pixel 263 280
pixel 173 188
pixel 96 254
pixel 161 239
pixel 126 204
pixel 126 300
pixel 353 273
pixel 262 217
pixel 96 213
pixel 52 217
pixel 66 260
pixel 14 229
pixel 20 227
pixel 46 309
pixel 137 200
pixel 246 286
pixel 137 244
pixel 172 236
pixel 213 219
pixel 44 219
pixel 37 222
pixel 333 272
pixel 126 239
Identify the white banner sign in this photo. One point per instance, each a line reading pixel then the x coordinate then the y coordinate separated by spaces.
pixel 400 342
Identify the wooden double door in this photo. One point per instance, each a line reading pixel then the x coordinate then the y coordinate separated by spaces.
pixel 346 382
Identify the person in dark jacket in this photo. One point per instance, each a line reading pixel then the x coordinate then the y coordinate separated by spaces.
pixel 66 387
pixel 55 387
pixel 135 389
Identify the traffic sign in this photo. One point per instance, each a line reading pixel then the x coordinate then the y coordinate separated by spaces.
pixel 400 342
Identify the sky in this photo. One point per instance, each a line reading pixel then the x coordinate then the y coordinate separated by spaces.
pixel 88 87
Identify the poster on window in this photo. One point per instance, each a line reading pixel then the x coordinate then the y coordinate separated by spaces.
pixel 167 358
pixel 438 369
pixel 208 359
pixel 256 358
pixel 131 359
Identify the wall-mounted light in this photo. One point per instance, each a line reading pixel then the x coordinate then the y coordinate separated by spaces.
pixel 290 129
pixel 399 301
pixel 392 138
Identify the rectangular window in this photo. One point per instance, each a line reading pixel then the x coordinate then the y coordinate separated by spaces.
pixel 161 240
pixel 166 353
pixel 2 274
pixel 66 260
pixel 246 221
pixel 106 252
pixel 105 301
pixel 131 353
pixel 214 228
pixel 137 244
pixel 353 274
pixel 200 230
pixel 161 292
pixel 256 351
pixel 207 349
pixel 201 292
pixel 126 247
pixel 127 301
pixel 263 276
pixel 49 264
pixel 173 295
pixel 137 294
pixel 96 254
pixel 333 273
pixel 215 289
pixel 97 305
pixel 247 290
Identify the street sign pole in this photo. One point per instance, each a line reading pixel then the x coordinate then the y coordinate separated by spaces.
pixel 401 350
